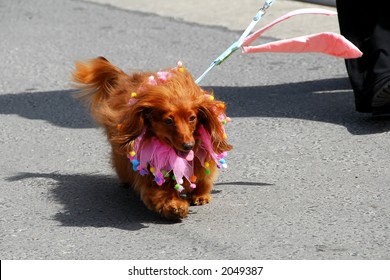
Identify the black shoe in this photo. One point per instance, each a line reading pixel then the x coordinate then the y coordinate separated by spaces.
pixel 381 96
pixel 380 103
pixel 383 111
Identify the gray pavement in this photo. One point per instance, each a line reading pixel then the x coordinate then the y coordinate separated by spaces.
pixel 308 178
pixel 233 15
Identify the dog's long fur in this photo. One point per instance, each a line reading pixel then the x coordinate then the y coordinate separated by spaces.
pixel 171 112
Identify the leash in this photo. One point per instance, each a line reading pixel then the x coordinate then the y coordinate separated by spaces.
pixel 237 44
pixel 324 42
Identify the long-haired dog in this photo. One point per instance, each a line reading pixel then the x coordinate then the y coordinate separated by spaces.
pixel 161 126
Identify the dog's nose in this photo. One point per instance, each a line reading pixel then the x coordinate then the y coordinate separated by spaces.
pixel 188 146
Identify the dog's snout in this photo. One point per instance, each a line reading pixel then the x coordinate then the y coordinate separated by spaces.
pixel 188 146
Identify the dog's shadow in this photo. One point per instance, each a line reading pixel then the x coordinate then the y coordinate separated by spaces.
pixel 57 107
pixel 94 200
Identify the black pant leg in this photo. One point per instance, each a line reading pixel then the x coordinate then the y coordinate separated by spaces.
pixel 366 25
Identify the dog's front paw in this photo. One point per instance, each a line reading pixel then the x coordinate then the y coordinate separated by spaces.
pixel 175 209
pixel 200 199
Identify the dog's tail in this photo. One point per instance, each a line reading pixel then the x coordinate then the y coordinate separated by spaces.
pixel 95 79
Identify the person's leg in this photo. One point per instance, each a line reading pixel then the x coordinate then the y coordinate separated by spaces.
pixel 366 25
pixel 380 41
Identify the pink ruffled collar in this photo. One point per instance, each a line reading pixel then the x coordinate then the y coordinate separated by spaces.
pixel 155 157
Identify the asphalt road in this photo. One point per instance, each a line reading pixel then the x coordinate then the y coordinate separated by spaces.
pixel 308 178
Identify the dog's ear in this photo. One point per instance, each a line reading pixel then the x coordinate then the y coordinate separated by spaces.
pixel 135 123
pixel 210 113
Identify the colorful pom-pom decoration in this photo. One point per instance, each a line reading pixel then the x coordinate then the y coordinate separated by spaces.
pixel 179 188
pixel 135 163
pixel 132 101
pixel 223 163
pixel 163 76
pixel 180 181
pixel 159 179
pixel 143 172
pixel 152 81
pixel 180 67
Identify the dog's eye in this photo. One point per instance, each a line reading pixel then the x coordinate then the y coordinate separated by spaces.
pixel 168 121
pixel 192 119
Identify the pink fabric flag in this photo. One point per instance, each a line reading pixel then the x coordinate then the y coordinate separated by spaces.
pixel 326 42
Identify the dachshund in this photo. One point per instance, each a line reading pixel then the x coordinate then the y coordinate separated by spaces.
pixel 160 125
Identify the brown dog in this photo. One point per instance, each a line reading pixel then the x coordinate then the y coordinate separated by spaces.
pixel 167 108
